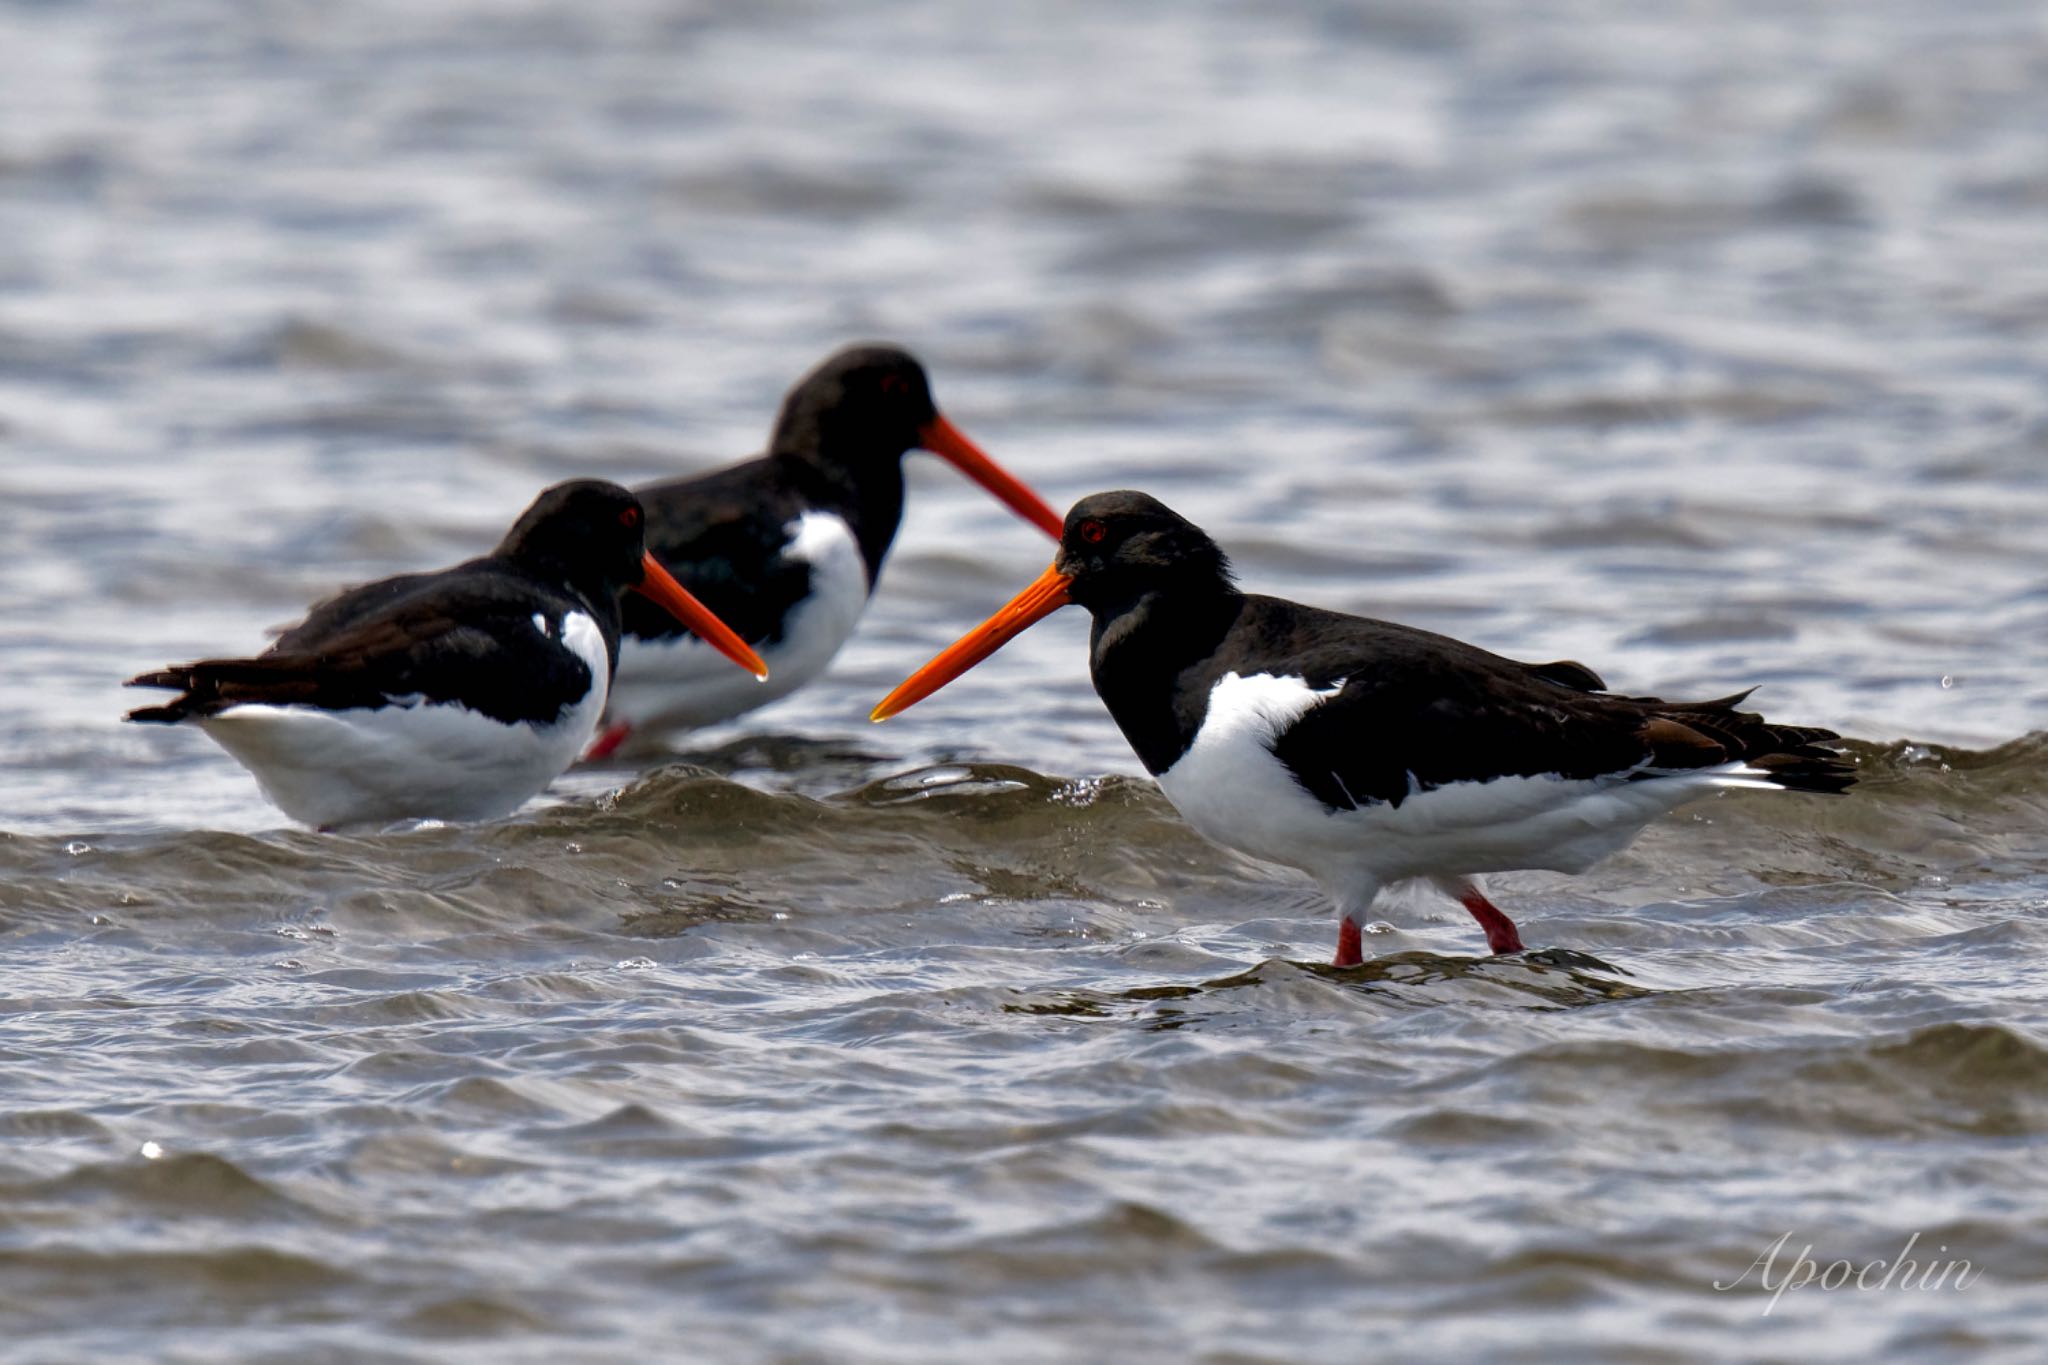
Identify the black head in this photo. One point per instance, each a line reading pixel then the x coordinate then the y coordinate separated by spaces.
pixel 1118 547
pixel 865 404
pixel 585 532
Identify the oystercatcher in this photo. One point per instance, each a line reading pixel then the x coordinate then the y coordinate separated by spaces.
pixel 453 695
pixel 788 547
pixel 1366 753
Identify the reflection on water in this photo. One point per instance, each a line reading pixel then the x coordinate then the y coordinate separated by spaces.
pixel 1701 344
pixel 1557 978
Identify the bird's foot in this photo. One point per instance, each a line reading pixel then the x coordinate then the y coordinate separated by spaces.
pixel 1501 935
pixel 608 741
pixel 1350 944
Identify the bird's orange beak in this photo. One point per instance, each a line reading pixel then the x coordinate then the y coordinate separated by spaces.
pixel 1044 597
pixel 658 587
pixel 945 440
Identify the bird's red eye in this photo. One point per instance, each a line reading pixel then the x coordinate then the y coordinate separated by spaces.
pixel 630 518
pixel 895 384
pixel 1093 532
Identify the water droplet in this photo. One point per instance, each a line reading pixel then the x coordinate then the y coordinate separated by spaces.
pixel 152 1150
pixel 635 964
pixel 1947 681
pixel 572 847
pixel 77 846
pixel 779 916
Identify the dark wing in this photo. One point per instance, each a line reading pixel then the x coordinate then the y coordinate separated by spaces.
pixel 470 640
pixel 328 618
pixel 1415 711
pixel 721 535
pixel 1568 673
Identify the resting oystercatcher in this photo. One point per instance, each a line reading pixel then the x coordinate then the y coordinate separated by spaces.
pixel 1366 753
pixel 453 695
pixel 788 547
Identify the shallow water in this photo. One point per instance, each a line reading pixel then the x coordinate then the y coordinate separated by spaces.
pixel 1706 345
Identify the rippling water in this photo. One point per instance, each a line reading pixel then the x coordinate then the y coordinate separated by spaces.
pixel 1707 344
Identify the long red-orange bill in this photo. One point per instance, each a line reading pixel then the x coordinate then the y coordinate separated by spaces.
pixel 1044 597
pixel 676 600
pixel 945 440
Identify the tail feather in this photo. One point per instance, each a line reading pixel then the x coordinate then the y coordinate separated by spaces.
pixel 1697 734
pixel 213 685
pixel 171 712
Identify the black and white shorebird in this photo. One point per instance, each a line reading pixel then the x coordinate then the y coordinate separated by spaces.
pixel 788 547
pixel 453 695
pixel 1366 753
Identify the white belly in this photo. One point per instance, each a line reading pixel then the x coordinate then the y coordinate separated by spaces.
pixel 1231 787
pixel 681 683
pixel 437 761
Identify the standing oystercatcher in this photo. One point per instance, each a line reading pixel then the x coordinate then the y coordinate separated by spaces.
pixel 788 547
pixel 453 695
pixel 1363 752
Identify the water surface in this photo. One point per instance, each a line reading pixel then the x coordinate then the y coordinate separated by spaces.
pixel 1707 345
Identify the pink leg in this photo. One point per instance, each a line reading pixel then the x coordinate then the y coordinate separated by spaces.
pixel 608 741
pixel 1500 930
pixel 1350 946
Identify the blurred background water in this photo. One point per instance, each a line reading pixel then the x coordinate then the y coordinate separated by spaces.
pixel 1704 343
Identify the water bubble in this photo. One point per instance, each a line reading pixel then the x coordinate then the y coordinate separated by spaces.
pixel 572 847
pixel 77 846
pixel 152 1150
pixel 1947 682
pixel 636 964
pixel 779 916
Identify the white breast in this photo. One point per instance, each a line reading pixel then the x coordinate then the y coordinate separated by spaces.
pixel 412 759
pixel 681 683
pixel 1231 787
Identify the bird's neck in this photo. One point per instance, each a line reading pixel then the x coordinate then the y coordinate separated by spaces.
pixel 1146 657
pixel 592 594
pixel 867 492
